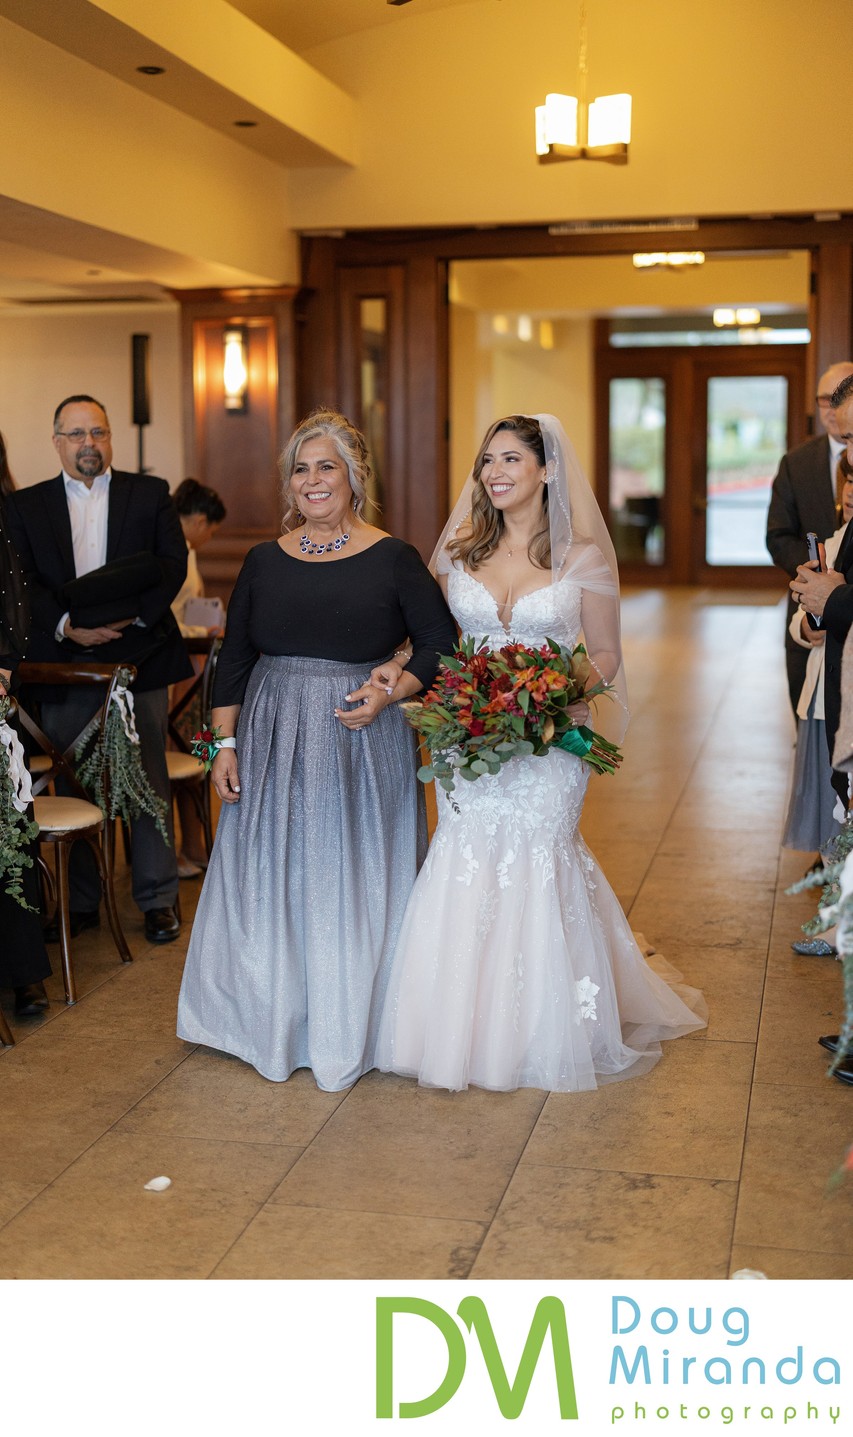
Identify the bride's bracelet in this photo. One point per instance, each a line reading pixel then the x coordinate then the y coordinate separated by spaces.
pixel 207 743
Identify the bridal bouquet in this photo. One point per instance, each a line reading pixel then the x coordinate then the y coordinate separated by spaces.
pixel 490 705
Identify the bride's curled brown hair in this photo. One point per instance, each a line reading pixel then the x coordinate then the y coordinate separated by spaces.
pixel 480 535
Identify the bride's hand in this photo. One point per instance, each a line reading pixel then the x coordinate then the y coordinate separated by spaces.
pixel 579 713
pixel 386 676
pixel 371 702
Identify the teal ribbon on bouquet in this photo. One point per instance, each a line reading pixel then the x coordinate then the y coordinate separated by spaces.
pixel 584 743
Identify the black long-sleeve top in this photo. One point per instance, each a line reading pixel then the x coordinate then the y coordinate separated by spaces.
pixel 356 610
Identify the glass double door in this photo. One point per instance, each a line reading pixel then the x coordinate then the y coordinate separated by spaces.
pixel 688 444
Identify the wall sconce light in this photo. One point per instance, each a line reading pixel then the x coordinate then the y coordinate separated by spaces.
pixel 670 259
pixel 235 369
pixel 569 129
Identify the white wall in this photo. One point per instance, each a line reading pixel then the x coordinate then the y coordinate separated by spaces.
pixel 47 354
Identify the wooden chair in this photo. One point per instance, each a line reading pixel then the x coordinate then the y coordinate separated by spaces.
pixel 183 767
pixel 63 821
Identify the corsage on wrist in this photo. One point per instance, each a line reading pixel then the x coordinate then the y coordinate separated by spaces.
pixel 207 743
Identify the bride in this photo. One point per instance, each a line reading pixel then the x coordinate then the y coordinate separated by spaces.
pixel 515 965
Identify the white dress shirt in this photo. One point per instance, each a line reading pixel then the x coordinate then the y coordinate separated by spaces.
pixel 88 510
pixel 836 449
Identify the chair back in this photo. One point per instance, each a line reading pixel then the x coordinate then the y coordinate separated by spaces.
pixel 197 692
pixel 76 674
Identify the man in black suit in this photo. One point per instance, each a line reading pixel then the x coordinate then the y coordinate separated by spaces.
pixel 803 500
pixel 830 596
pixel 87 516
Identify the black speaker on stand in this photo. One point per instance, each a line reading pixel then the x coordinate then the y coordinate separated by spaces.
pixel 140 355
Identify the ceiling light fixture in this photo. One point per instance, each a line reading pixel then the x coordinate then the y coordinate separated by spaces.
pixel 669 259
pixel 246 124
pixel 150 70
pixel 570 129
pixel 726 318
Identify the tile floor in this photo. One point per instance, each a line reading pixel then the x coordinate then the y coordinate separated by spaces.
pixel 717 1159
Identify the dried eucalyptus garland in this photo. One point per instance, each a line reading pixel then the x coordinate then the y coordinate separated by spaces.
pixel 17 831
pixel 117 752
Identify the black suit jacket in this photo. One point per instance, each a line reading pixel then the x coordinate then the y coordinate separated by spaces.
pixel 802 501
pixel 141 517
pixel 837 621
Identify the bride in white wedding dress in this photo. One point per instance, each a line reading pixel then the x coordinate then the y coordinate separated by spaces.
pixel 515 965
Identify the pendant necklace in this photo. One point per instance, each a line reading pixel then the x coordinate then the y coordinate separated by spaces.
pixel 307 546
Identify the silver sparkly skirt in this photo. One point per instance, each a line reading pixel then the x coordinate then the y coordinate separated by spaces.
pixel 308 880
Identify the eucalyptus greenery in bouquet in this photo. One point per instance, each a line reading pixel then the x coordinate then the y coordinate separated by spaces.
pixel 490 705
pixel 17 831
pixel 116 751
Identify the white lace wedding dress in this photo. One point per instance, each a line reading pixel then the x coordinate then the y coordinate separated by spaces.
pixel 515 966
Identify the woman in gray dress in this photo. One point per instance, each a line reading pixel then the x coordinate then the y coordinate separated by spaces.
pixel 323 827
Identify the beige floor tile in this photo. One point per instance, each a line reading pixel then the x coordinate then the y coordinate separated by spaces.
pixel 732 980
pixel 796 1011
pixel 320 1243
pixel 14 1195
pixel 397 1148
pixel 36 1149
pixel 796 1139
pixel 96 1221
pixel 685 1118
pixel 61 1079
pixel 213 1095
pixel 554 1223
pixel 778 1262
pixel 749 856
pixel 703 917
pixel 141 999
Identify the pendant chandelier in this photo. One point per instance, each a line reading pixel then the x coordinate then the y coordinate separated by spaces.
pixel 568 128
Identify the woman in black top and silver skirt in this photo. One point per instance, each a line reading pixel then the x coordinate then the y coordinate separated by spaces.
pixel 323 824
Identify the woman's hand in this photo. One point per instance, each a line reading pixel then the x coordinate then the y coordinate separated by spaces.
pixel 386 676
pixel 371 702
pixel 226 775
pixel 579 713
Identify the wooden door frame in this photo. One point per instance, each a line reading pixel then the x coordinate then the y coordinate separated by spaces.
pixel 426 255
pixel 684 464
pixel 789 360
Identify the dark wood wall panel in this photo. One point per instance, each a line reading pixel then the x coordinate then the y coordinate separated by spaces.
pixel 237 453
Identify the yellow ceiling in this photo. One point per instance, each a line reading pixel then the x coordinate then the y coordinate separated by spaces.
pixel 369 115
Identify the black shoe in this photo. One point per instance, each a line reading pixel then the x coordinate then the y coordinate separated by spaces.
pixel 161 925
pixel 30 1001
pixel 830 1042
pixel 816 866
pixel 844 1071
pixel 80 921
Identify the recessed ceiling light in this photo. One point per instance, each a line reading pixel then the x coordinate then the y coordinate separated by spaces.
pixel 246 124
pixel 150 70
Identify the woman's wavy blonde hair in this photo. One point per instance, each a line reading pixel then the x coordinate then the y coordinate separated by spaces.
pixel 326 424
pixel 480 535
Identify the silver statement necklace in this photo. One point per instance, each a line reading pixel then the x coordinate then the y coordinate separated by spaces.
pixel 307 546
